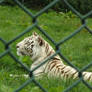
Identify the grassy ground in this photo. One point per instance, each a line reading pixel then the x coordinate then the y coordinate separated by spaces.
pixel 78 50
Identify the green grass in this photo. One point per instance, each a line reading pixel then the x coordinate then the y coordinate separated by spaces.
pixel 78 50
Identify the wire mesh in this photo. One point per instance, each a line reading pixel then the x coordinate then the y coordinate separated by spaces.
pixel 57 45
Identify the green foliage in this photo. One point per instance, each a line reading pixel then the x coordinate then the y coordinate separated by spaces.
pixel 81 6
pixel 9 2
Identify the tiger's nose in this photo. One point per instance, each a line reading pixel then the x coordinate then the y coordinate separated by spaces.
pixel 17 46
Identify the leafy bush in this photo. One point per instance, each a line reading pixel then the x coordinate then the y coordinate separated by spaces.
pixel 83 6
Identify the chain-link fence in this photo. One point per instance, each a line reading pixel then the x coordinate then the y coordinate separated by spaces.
pixel 57 45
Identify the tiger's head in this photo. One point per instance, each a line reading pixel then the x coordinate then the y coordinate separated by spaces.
pixel 31 46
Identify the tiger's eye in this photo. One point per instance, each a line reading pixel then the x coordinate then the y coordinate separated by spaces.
pixel 27 43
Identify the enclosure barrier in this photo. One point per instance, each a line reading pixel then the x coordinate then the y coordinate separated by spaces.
pixel 56 44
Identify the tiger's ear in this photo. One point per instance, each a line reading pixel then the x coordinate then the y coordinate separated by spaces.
pixel 40 41
pixel 35 34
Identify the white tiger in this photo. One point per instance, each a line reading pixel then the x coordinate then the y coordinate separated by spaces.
pixel 38 49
